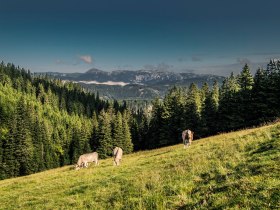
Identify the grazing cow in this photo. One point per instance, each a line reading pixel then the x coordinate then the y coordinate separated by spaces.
pixel 85 159
pixel 187 137
pixel 117 154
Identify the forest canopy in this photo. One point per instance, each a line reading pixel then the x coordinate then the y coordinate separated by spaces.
pixel 47 123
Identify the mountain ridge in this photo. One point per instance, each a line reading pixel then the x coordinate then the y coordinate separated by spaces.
pixel 154 82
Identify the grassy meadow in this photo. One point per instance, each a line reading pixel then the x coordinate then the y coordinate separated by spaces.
pixel 239 170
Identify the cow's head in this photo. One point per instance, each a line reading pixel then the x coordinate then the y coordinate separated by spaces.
pixel 77 167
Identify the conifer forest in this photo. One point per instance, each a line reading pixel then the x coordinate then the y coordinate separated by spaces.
pixel 47 123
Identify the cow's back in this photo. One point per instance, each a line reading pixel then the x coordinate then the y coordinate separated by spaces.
pixel 91 157
pixel 118 152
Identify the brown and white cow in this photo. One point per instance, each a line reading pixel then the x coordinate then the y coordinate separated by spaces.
pixel 187 137
pixel 85 159
pixel 117 154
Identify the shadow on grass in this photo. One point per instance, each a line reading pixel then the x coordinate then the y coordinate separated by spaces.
pixel 77 190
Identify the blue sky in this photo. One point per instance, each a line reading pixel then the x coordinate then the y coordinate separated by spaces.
pixel 214 36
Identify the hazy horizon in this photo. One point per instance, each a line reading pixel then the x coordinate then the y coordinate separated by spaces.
pixel 201 37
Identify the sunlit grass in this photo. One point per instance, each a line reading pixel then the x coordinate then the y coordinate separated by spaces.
pixel 235 170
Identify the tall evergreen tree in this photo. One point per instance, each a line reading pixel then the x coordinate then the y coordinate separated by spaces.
pixel 118 131
pixel 260 109
pixel 24 147
pixel 94 135
pixel 246 81
pixel 127 143
pixel 157 125
pixel 210 111
pixel 229 113
pixel 105 146
pixel 173 107
pixel 193 110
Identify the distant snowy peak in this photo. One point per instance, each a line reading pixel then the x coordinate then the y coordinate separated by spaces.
pixel 143 77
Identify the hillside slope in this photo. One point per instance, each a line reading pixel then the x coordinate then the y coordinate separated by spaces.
pixel 235 170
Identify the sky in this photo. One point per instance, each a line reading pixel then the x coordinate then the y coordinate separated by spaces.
pixel 205 37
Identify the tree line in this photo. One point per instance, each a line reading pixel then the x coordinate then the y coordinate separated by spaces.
pixel 47 123
pixel 240 101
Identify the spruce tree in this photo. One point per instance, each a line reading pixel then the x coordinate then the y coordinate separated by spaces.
pixel 246 81
pixel 229 113
pixel 260 107
pixel 209 111
pixel 127 143
pixel 156 125
pixel 173 121
pixel 192 112
pixel 118 131
pixel 94 135
pixel 105 146
pixel 24 148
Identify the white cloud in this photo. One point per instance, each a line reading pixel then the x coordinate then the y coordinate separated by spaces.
pixel 86 58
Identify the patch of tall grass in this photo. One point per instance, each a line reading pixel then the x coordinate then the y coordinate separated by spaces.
pixel 234 170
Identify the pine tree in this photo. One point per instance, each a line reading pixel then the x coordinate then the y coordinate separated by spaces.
pixel 193 110
pixel 118 131
pixel 156 125
pixel 94 135
pixel 260 109
pixel 38 141
pixel 10 162
pixel 105 146
pixel 209 111
pixel 127 143
pixel 24 148
pixel 273 89
pixel 173 107
pixel 204 92
pixel 142 132
pixel 246 81
pixel 229 113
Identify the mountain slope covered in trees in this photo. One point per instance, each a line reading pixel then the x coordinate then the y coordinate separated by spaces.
pixel 45 123
pixel 238 170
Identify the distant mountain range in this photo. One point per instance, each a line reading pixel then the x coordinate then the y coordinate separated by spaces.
pixel 127 84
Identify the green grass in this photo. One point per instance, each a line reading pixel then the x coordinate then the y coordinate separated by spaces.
pixel 239 170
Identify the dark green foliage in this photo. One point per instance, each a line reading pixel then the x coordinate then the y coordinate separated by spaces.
pixel 242 101
pixel 117 133
pixel 127 141
pixel 45 123
pixel 229 110
pixel 157 126
pixel 210 111
pixel 105 146
pixel 173 104
pixel 23 140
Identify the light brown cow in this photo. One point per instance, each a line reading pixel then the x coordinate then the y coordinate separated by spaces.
pixel 187 137
pixel 85 159
pixel 117 154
